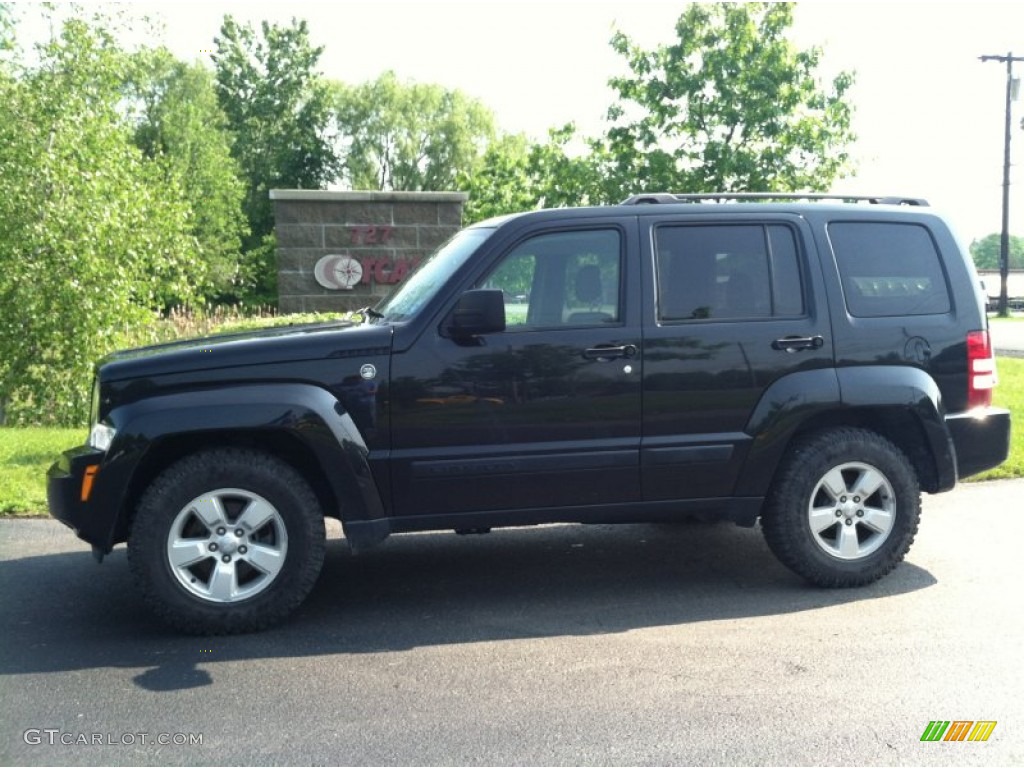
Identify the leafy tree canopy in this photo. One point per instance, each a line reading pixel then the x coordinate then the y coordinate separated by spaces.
pixel 409 136
pixel 985 252
pixel 730 105
pixel 516 175
pixel 6 29
pixel 181 123
pixel 501 183
pixel 93 235
pixel 278 108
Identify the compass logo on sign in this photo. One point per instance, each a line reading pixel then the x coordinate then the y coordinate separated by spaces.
pixel 338 273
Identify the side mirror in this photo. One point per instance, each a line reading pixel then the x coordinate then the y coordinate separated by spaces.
pixel 478 312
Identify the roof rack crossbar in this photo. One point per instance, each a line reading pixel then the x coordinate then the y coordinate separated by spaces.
pixel 665 198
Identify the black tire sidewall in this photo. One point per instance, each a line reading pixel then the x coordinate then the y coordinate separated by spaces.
pixel 201 473
pixel 786 525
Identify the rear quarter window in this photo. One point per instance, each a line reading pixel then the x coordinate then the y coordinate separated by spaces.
pixel 889 269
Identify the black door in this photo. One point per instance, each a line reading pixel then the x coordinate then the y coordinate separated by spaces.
pixel 543 415
pixel 737 306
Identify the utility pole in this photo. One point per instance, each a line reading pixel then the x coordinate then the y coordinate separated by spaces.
pixel 1004 239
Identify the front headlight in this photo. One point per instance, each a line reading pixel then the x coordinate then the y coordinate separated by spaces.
pixel 101 436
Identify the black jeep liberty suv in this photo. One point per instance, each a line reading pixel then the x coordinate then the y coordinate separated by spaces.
pixel 808 363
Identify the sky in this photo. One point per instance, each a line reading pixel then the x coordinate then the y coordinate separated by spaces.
pixel 929 115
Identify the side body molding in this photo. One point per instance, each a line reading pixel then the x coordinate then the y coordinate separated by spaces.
pixel 304 413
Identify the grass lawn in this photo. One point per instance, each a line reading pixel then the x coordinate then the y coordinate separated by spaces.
pixel 26 454
pixel 1010 394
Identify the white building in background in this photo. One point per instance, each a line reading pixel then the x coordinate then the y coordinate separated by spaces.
pixel 990 284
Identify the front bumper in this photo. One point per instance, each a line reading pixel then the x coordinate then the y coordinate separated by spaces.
pixel 75 504
pixel 981 439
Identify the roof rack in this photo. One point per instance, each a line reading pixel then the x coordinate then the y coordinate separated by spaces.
pixel 721 197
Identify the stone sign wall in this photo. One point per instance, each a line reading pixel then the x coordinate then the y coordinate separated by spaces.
pixel 338 251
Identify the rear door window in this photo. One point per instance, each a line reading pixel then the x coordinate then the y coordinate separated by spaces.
pixel 725 272
pixel 889 269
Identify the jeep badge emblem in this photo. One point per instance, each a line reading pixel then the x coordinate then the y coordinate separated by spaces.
pixel 368 371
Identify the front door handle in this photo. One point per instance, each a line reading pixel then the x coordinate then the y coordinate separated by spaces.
pixel 797 343
pixel 610 352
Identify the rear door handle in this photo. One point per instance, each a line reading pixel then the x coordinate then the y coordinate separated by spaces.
pixel 603 354
pixel 797 343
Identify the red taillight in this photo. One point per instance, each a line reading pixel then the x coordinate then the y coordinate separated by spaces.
pixel 981 370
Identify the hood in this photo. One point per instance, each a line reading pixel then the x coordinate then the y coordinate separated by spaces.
pixel 287 344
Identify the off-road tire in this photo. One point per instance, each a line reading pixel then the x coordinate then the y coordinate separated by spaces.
pixel 295 531
pixel 794 516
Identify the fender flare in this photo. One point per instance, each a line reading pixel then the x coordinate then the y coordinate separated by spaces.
pixel 912 389
pixel 790 402
pixel 306 413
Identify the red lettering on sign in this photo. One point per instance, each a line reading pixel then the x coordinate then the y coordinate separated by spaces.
pixel 369 234
pixel 368 265
pixel 400 271
pixel 384 271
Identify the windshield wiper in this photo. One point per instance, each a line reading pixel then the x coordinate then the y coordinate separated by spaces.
pixel 368 312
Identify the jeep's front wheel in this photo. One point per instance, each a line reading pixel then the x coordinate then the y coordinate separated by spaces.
pixel 226 541
pixel 844 508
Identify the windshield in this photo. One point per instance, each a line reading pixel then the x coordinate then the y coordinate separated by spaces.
pixel 425 282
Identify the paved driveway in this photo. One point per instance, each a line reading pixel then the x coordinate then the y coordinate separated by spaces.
pixel 563 645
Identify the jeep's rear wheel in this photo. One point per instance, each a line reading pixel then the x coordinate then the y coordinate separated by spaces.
pixel 844 508
pixel 227 541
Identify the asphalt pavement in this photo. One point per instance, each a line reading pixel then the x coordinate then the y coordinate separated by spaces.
pixel 562 645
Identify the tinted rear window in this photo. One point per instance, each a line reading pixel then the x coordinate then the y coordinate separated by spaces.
pixel 730 271
pixel 889 269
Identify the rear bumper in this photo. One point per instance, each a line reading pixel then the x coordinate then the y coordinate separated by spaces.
pixel 64 495
pixel 981 439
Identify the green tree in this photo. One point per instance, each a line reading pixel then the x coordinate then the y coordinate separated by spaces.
pixel 181 122
pixel 567 175
pixel 278 108
pixel 92 233
pixel 501 182
pixel 6 30
pixel 985 252
pixel 409 136
pixel 516 175
pixel 730 105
